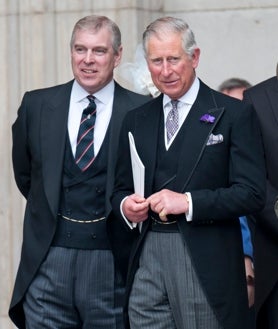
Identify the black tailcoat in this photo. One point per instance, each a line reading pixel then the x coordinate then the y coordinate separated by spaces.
pixel 226 180
pixel 39 139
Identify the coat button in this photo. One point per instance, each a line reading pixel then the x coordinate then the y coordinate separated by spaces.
pixel 93 235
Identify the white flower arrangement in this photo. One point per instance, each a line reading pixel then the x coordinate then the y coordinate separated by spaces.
pixel 138 75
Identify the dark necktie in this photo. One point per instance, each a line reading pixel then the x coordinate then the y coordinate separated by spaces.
pixel 172 121
pixel 84 155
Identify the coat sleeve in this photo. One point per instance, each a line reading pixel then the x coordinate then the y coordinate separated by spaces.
pixel 266 218
pixel 21 156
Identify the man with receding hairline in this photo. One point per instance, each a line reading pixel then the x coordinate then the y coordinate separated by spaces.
pixel 204 167
pixel 65 142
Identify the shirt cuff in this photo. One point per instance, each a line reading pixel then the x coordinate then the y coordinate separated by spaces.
pixel 130 224
pixel 189 213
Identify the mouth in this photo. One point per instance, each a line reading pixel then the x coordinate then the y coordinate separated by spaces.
pixel 87 71
pixel 170 83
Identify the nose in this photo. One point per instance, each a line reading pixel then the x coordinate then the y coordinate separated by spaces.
pixel 166 68
pixel 89 57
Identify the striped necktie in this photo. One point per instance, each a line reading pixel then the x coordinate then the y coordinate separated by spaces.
pixel 84 155
pixel 172 121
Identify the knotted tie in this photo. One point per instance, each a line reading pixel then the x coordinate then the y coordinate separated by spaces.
pixel 84 155
pixel 172 121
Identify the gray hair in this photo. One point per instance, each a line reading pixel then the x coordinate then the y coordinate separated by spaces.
pixel 94 23
pixel 168 24
pixel 234 83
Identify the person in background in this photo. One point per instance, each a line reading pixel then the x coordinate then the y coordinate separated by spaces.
pixel 234 87
pixel 65 142
pixel 204 167
pixel 264 98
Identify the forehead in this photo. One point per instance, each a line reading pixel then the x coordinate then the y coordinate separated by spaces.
pixel 165 45
pixel 92 37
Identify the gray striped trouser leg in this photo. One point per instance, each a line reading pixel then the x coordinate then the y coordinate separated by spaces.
pixel 166 293
pixel 74 289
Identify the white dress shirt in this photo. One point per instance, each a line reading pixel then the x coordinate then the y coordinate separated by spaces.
pixel 78 102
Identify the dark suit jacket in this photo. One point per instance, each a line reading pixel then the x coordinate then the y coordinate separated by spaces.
pixel 264 98
pixel 226 180
pixel 39 136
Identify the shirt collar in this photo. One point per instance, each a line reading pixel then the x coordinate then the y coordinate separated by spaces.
pixel 189 97
pixel 79 94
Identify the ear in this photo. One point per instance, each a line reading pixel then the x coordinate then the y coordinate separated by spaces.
pixel 195 57
pixel 118 56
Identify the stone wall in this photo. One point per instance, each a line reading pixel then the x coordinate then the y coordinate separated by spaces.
pixel 236 37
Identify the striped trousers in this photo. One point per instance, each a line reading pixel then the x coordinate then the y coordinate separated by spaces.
pixel 166 293
pixel 75 289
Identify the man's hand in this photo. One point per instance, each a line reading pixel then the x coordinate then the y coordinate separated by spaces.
pixel 135 208
pixel 249 280
pixel 167 202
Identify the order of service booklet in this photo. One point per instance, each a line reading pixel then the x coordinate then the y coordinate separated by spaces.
pixel 138 168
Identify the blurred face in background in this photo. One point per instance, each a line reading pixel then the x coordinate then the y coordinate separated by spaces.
pixel 93 59
pixel 235 92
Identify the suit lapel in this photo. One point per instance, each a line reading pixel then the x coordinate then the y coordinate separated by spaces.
pixel 197 134
pixel 53 137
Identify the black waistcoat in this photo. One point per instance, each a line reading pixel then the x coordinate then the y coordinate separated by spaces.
pixel 83 198
pixel 167 160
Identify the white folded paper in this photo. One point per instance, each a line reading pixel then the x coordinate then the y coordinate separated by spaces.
pixel 138 168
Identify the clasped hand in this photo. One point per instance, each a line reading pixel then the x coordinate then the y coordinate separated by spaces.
pixel 164 202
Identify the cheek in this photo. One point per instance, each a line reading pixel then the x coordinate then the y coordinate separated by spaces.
pixel 106 64
pixel 154 69
pixel 75 61
pixel 155 74
pixel 74 67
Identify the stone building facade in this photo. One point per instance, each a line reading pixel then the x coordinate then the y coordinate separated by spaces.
pixel 236 37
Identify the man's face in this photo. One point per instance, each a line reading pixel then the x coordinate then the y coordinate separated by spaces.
pixel 93 59
pixel 172 70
